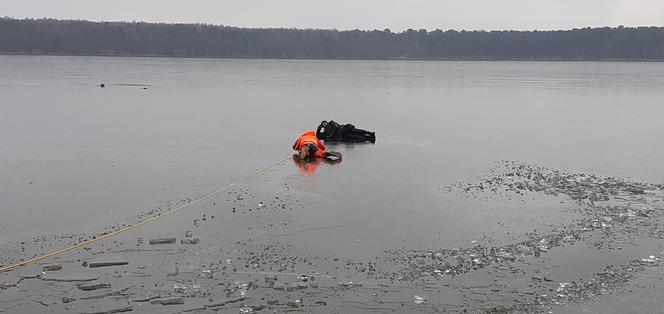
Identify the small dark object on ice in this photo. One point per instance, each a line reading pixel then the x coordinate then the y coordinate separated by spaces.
pixel 162 241
pixel 290 287
pixel 112 311
pixel 102 85
pixel 107 294
pixel 93 286
pixel 52 267
pixel 70 277
pixel 107 263
pixel 168 301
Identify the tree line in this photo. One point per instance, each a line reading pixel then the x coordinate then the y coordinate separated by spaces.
pixel 78 37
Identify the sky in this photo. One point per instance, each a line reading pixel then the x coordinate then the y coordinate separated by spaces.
pixel 397 15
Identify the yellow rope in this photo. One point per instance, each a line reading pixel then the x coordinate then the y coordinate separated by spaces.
pixel 129 227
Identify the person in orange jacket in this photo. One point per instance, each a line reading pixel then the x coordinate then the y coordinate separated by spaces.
pixel 309 146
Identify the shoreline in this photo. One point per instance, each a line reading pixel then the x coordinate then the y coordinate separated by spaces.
pixel 333 59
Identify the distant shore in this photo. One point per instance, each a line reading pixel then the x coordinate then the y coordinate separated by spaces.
pixel 78 37
pixel 326 59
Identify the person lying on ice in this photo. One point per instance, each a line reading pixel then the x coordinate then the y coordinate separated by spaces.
pixel 309 146
pixel 335 132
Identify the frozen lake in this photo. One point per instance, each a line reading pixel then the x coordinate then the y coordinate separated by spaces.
pixel 76 158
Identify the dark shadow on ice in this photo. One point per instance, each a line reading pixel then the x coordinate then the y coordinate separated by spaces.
pixel 347 145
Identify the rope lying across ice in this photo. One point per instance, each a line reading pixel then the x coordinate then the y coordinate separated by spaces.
pixel 132 226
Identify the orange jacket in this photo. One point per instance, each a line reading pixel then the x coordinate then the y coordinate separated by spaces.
pixel 309 137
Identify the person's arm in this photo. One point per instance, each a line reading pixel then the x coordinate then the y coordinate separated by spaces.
pixel 320 144
pixel 319 133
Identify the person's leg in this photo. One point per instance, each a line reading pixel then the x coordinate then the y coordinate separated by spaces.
pixel 346 134
pixel 359 135
pixel 370 136
pixel 354 138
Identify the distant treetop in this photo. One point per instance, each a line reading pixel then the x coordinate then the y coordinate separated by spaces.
pixel 78 37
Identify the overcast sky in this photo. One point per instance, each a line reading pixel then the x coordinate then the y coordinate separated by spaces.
pixel 350 14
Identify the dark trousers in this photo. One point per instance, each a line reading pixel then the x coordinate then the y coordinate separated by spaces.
pixel 348 133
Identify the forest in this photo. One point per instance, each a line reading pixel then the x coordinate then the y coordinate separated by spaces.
pixel 79 37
